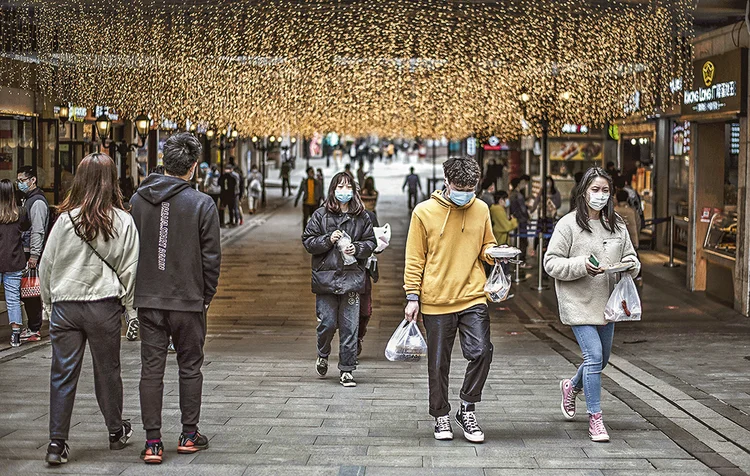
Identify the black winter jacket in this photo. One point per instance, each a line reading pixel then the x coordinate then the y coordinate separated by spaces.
pixel 329 275
pixel 178 268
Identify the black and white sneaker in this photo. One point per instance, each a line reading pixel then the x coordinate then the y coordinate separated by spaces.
pixel 347 380
pixel 133 327
pixel 15 337
pixel 467 420
pixel 118 440
pixel 321 366
pixel 443 430
pixel 57 454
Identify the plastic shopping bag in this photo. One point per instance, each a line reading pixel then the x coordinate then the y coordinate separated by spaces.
pixel 624 304
pixel 406 344
pixel 382 236
pixel 498 284
pixel 343 243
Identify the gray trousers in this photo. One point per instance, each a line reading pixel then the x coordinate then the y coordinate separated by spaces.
pixel 72 324
pixel 188 331
pixel 342 311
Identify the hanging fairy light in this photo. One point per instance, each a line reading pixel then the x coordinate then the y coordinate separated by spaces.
pixel 388 67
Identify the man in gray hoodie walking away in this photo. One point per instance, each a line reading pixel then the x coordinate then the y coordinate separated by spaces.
pixel 177 279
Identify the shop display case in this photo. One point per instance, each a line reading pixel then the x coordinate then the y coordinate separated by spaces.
pixel 721 237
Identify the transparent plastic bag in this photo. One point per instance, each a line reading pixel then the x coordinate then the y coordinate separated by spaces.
pixel 624 304
pixel 406 343
pixel 342 244
pixel 498 284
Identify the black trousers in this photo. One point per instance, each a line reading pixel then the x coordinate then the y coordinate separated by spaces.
pixel 188 331
pixel 286 187
pixel 73 323
pixel 412 199
pixel 307 211
pixel 473 326
pixel 228 202
pixel 33 308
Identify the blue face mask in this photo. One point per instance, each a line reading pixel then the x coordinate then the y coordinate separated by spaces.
pixel 23 186
pixel 461 198
pixel 344 196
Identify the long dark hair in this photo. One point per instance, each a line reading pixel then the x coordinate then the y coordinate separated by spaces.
pixel 356 207
pixel 96 192
pixel 552 188
pixel 8 208
pixel 608 217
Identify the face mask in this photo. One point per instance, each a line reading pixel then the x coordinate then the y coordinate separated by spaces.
pixel 598 201
pixel 344 196
pixel 461 198
pixel 23 186
pixel 507 202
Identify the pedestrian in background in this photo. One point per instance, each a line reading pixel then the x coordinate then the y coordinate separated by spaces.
pixel 519 210
pixel 593 229
pixel 211 186
pixel 228 184
pixel 13 222
pixel 321 178
pixel 286 186
pixel 34 241
pixel 311 193
pixel 414 184
pixel 87 276
pixel 628 215
pixel 502 222
pixel 180 233
pixel 255 187
pixel 337 286
pixel 450 236
pixel 370 195
pixel 488 195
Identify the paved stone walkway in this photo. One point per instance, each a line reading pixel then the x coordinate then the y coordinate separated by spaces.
pixel 675 398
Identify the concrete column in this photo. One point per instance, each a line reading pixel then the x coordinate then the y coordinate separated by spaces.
pixel 662 145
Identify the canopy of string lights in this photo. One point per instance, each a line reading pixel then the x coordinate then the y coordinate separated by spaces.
pixel 412 68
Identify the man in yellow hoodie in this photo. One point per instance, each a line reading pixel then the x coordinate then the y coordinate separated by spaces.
pixel 449 236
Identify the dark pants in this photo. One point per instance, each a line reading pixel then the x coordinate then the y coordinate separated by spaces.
pixel 365 309
pixel 33 308
pixel 473 326
pixel 286 187
pixel 73 323
pixel 188 331
pixel 229 203
pixel 307 211
pixel 237 214
pixel 338 311
pixel 413 197
pixel 523 243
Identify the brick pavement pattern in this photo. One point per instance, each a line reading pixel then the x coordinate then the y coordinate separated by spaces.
pixel 675 397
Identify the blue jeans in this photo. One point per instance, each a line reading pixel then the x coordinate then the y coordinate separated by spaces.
pixel 596 346
pixel 338 311
pixel 12 285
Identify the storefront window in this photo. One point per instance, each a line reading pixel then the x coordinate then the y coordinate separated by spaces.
pixel 679 164
pixel 16 144
pixel 638 162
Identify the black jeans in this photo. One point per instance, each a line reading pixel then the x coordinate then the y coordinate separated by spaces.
pixel 307 211
pixel 188 331
pixel 286 187
pixel 72 323
pixel 33 308
pixel 473 326
pixel 230 204
pixel 413 198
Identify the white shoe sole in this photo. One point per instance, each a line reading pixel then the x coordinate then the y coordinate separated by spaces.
pixel 349 384
pixel 562 404
pixel 472 437
pixel 444 435
pixel 599 439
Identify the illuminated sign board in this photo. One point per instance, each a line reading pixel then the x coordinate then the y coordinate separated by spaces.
pixel 719 85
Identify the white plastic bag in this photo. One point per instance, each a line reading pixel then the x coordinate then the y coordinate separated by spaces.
pixel 382 236
pixel 498 284
pixel 406 344
pixel 624 304
pixel 342 244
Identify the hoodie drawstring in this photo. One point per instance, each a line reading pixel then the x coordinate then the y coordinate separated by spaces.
pixel 447 215
pixel 463 221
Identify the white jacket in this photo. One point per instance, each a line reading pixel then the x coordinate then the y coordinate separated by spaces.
pixel 582 298
pixel 70 271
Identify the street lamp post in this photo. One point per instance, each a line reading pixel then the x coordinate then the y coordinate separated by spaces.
pixel 62 116
pixel 263 144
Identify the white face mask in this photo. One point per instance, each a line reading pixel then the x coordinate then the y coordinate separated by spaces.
pixel 598 200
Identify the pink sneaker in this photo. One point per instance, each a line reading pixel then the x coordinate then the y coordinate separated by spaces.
pixel 597 431
pixel 569 395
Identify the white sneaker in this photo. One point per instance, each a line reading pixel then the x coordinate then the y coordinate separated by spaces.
pixel 443 430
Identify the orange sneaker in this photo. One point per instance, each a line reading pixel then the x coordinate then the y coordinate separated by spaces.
pixel 153 453
pixel 192 443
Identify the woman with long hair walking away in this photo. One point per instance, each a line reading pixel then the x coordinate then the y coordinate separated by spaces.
pixel 584 242
pixel 340 239
pixel 87 275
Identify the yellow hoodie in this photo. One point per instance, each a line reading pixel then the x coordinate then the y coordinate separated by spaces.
pixel 443 253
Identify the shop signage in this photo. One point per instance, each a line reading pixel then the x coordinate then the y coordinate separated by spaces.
pixel 78 113
pixel 719 85
pixel 734 140
pixel 493 143
pixel 109 111
pixel 471 146
pixel 590 151
pixel 575 129
pixel 614 132
pixel 707 213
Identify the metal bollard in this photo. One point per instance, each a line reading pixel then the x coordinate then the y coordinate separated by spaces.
pixel 540 257
pixel 671 263
pixel 518 278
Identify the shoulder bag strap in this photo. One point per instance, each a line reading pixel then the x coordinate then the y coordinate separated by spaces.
pixel 96 252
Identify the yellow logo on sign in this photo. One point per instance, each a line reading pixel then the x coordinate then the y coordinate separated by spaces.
pixel 708 73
